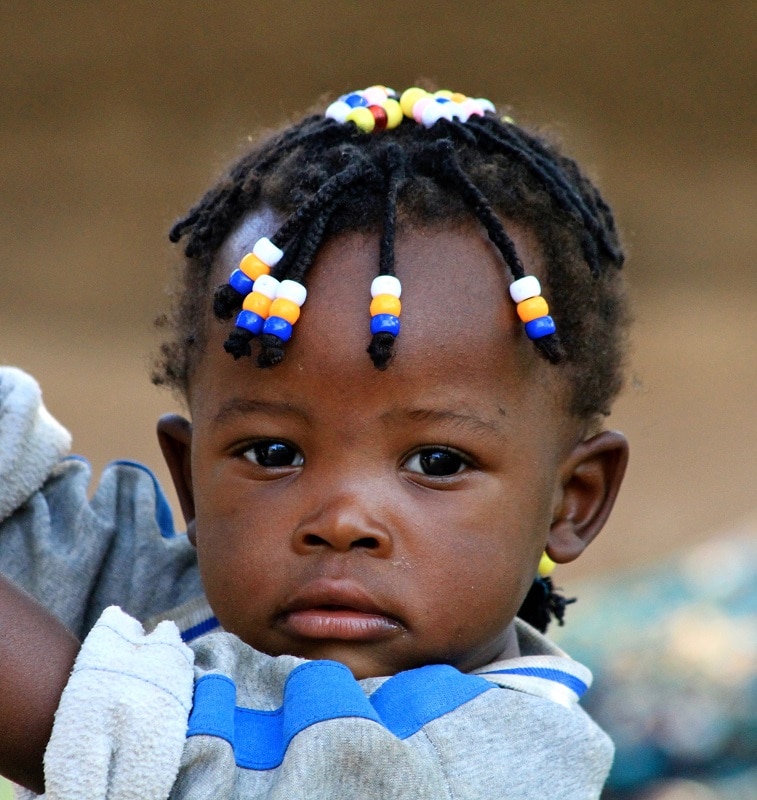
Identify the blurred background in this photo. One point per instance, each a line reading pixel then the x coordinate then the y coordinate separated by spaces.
pixel 115 116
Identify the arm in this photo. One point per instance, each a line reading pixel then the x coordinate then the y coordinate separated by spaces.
pixel 36 657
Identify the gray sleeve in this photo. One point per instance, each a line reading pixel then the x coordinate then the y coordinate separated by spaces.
pixel 74 555
pixel 77 557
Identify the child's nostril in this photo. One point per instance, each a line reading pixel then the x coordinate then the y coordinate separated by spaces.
pixel 368 542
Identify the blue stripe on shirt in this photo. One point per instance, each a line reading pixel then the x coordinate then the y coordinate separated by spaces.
pixel 324 690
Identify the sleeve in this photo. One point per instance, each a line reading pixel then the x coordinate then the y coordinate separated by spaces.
pixel 121 724
pixel 75 555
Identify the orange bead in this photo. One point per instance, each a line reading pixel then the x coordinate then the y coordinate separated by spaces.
pixel 258 303
pixel 385 304
pixel 286 309
pixel 533 308
pixel 253 267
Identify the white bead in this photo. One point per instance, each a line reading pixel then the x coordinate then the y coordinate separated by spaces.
pixel 456 111
pixel 471 108
pixel 338 110
pixel 292 290
pixel 432 113
pixel 524 288
pixel 267 252
pixel 487 105
pixel 374 95
pixel 267 285
pixel 386 284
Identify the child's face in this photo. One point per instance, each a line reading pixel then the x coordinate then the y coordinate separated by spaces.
pixel 389 519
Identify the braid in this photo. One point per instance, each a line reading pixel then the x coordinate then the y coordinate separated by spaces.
pixel 381 346
pixel 542 603
pixel 446 162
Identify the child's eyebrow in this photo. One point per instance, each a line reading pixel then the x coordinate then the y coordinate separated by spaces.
pixel 471 421
pixel 242 406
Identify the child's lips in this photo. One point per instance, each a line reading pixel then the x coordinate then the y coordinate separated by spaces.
pixel 337 611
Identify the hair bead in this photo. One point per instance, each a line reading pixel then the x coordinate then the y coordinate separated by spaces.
pixel 278 326
pixel 541 326
pixel 532 308
pixel 379 117
pixel 258 303
pixel 386 304
pixel 253 267
pixel 363 118
pixel 408 99
pixel 286 309
pixel 524 288
pixel 292 290
pixel 385 323
pixel 338 111
pixel 267 252
pixel 386 284
pixel 355 100
pixel 393 113
pixel 250 321
pixel 267 285
pixel 240 282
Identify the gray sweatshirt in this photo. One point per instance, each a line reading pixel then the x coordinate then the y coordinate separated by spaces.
pixel 180 709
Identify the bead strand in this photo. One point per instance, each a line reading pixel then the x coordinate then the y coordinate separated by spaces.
pixel 285 309
pixel 385 305
pixel 253 280
pixel 532 308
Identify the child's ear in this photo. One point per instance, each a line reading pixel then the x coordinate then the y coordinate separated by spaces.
pixel 175 439
pixel 589 483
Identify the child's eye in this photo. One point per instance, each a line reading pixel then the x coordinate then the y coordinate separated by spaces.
pixel 437 462
pixel 274 454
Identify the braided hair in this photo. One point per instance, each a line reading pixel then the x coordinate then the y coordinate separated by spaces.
pixel 326 177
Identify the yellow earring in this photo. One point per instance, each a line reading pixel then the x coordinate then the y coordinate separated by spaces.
pixel 546 565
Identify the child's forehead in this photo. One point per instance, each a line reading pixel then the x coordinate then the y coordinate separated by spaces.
pixel 460 334
pixel 422 253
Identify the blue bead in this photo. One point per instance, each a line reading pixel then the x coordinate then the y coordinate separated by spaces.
pixel 240 282
pixel 250 321
pixel 355 100
pixel 385 323
pixel 541 326
pixel 442 100
pixel 278 327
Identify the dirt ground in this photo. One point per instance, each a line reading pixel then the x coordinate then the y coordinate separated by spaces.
pixel 115 117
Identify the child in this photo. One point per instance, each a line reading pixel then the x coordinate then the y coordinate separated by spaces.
pixel 381 515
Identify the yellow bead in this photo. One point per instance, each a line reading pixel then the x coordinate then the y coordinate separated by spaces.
pixel 456 97
pixel 533 308
pixel 546 566
pixel 393 113
pixel 253 267
pixel 409 98
pixel 258 303
pixel 446 93
pixel 286 309
pixel 363 118
pixel 386 304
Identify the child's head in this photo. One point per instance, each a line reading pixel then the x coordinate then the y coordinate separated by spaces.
pixel 390 511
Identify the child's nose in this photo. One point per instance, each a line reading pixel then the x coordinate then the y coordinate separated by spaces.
pixel 343 524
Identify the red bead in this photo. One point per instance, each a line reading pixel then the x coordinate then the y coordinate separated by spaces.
pixel 380 116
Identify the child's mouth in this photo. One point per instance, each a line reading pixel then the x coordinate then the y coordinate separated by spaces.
pixel 332 611
pixel 339 622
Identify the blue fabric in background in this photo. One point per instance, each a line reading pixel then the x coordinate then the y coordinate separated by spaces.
pixel 673 649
